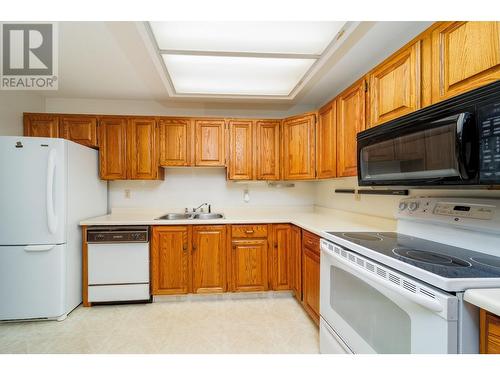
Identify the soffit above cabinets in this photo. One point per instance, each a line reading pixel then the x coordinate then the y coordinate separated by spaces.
pixel 262 60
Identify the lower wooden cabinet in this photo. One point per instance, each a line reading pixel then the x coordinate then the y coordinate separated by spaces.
pixel 170 260
pixel 310 274
pixel 489 333
pixel 248 259
pixel 296 260
pixel 209 259
pixel 281 257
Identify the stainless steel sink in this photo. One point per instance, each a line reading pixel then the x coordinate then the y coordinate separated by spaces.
pixel 207 216
pixel 190 216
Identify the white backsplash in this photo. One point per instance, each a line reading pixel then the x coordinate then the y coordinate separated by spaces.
pixel 189 187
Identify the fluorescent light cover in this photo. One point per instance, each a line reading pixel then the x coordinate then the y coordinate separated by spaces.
pixel 229 75
pixel 257 37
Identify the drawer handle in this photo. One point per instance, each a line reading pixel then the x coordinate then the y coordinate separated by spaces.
pixel 185 247
pixel 251 231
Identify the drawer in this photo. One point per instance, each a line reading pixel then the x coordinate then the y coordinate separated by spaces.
pixel 493 345
pixel 311 241
pixel 249 231
pixel 114 293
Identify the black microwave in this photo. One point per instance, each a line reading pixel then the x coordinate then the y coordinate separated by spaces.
pixel 454 142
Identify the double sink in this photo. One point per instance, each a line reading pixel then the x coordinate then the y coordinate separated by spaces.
pixel 190 216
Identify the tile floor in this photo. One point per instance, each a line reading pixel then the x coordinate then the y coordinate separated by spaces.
pixel 259 325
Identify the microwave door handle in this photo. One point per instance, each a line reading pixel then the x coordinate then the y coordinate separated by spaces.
pixel 466 136
pixel 359 272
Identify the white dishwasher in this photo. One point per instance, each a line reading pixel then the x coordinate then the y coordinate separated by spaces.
pixel 118 264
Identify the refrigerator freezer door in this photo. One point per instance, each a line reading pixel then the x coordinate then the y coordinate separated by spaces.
pixel 32 282
pixel 32 191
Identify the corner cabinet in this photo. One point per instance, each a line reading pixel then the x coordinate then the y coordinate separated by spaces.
pixel 298 145
pixel 465 55
pixel 282 268
pixel 350 121
pixel 395 85
pixel 326 141
pixel 210 144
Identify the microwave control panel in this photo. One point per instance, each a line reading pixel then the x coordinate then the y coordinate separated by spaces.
pixel 489 152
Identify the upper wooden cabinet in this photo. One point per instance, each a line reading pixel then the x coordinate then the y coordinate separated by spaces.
pixel 465 55
pixel 267 149
pixel 41 125
pixel 326 141
pixel 170 260
pixel 350 121
pixel 80 129
pixel 394 86
pixel 209 259
pixel 128 149
pixel 210 143
pixel 113 148
pixel 176 140
pixel 298 138
pixel 241 150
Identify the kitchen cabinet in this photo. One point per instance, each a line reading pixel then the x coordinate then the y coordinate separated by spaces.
pixel 465 55
pixel 170 265
pixel 489 333
pixel 113 148
pixel 282 271
pixel 326 141
pixel 210 146
pixel 249 258
pixel 310 274
pixel 350 121
pixel 267 151
pixel 241 145
pixel 128 149
pixel 296 261
pixel 176 142
pixel 41 125
pixel 80 129
pixel 298 137
pixel 395 85
pixel 209 259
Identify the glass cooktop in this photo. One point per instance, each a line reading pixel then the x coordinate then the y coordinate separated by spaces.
pixel 441 259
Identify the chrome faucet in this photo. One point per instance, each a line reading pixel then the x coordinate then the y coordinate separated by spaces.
pixel 201 205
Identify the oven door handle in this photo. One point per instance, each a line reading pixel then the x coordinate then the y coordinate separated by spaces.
pixel 357 271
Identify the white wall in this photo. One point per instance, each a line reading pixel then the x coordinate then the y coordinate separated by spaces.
pixel 379 205
pixel 189 187
pixel 12 106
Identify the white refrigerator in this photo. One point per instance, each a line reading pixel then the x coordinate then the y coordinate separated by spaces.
pixel 47 186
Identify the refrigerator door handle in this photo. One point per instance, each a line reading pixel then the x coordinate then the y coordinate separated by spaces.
pixel 51 173
pixel 37 248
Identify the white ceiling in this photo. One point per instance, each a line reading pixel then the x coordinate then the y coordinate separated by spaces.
pixel 110 60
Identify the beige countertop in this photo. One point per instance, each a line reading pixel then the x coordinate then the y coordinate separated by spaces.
pixel 316 220
pixel 487 299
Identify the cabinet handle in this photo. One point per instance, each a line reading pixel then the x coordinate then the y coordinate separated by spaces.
pixel 249 231
pixel 185 247
pixel 275 245
pixel 194 247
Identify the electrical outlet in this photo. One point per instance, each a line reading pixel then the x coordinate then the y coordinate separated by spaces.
pixel 127 193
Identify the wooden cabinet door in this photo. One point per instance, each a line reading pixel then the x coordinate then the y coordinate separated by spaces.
pixel 326 142
pixel 267 150
pixel 209 259
pixel 41 125
pixel 395 85
pixel 296 260
pixel 240 150
pixel 210 143
pixel 282 270
pixel 142 159
pixel 298 147
pixel 249 265
pixel 170 260
pixel 175 142
pixel 350 121
pixel 465 55
pixel 80 129
pixel 113 148
pixel 310 283
pixel 489 326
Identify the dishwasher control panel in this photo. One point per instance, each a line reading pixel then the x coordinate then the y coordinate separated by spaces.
pixel 118 234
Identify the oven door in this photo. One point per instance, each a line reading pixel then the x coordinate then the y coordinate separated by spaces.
pixel 371 314
pixel 443 150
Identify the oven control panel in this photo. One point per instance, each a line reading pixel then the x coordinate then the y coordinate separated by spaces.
pixel 469 211
pixel 489 153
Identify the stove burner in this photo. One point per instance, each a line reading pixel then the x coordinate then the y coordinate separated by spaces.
pixel 490 262
pixel 394 235
pixel 362 236
pixel 430 257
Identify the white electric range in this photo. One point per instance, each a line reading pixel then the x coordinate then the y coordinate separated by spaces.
pixel 402 292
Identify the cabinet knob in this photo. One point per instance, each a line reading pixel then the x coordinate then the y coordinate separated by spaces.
pixel 249 231
pixel 185 247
